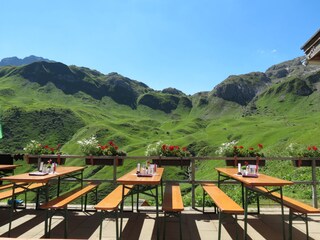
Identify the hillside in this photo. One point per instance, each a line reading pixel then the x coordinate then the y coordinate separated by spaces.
pixel 286 90
pixel 59 104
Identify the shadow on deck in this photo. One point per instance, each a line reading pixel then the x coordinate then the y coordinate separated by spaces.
pixel 29 224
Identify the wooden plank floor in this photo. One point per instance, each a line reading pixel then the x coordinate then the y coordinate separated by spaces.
pixel 29 224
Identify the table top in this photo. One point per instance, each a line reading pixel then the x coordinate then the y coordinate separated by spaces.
pixel 7 167
pixel 261 180
pixel 25 177
pixel 131 178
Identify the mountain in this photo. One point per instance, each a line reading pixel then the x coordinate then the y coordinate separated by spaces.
pixel 72 80
pixel 14 61
pixel 58 104
pixel 242 88
pixel 117 107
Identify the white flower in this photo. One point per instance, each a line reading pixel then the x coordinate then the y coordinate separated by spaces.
pixel 225 147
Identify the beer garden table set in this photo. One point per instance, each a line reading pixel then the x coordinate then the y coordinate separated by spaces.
pixel 248 183
pixel 139 182
pixel 45 179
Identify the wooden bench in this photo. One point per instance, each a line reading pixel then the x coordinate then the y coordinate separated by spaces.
pixel 6 186
pixel 24 187
pixel 61 203
pixel 172 204
pixel 110 204
pixel 294 207
pixel 222 202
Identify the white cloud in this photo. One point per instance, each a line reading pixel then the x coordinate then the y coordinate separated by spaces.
pixel 274 51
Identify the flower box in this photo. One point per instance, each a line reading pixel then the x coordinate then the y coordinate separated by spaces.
pixel 103 161
pixel 172 162
pixel 304 163
pixel 34 160
pixel 234 162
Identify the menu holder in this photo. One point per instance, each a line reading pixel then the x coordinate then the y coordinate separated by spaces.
pixel 250 175
pixel 38 173
pixel 144 175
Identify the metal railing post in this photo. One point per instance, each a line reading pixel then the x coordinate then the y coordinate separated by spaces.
pixel 193 187
pixel 314 184
pixel 115 160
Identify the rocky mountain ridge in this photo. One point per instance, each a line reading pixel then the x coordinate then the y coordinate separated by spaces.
pixel 239 89
pixel 15 61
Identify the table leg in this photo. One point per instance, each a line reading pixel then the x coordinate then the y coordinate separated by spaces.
pixel 245 212
pixel 137 198
pixel 12 208
pixel 242 191
pixel 161 190
pixel 157 211
pixel 121 210
pixel 282 215
pixel 47 211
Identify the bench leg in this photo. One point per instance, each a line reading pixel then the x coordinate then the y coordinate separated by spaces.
pixel 236 221
pixel 66 221
pixel 46 230
pixel 121 211
pixel 11 216
pixel 164 226
pixel 219 229
pixel 117 224
pixel 102 213
pixel 180 225
pixel 290 223
pixel 307 226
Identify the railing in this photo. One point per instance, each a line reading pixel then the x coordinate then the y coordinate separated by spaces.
pixel 192 177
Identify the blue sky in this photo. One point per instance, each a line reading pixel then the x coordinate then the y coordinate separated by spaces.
pixel 191 45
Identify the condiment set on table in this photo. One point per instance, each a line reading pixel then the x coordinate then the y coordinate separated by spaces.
pixel 45 168
pixel 249 171
pixel 146 170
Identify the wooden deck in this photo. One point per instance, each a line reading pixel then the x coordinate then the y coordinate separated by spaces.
pixel 29 224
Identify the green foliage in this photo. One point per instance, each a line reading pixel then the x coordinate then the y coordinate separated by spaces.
pixel 36 148
pixel 91 146
pixel 230 149
pixel 50 125
pixel 52 108
pixel 161 149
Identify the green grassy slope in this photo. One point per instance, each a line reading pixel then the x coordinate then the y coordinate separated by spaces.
pixel 279 119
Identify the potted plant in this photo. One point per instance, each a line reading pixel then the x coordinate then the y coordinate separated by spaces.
pixel 239 154
pixel 35 150
pixel 168 155
pixel 304 154
pixel 94 152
